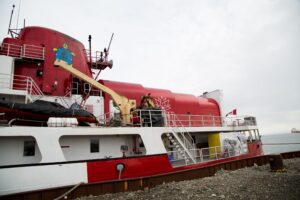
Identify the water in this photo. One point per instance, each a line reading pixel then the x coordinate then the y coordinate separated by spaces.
pixel 281 138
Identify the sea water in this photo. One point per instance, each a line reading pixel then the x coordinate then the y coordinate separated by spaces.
pixel 277 143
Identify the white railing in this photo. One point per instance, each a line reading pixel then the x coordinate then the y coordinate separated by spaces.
pixel 96 56
pixel 18 82
pixel 195 120
pixel 139 118
pixel 209 120
pixel 159 118
pixel 206 154
pixel 23 51
pixel 79 88
pixel 111 119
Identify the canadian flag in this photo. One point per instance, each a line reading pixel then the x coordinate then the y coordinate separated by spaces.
pixel 233 112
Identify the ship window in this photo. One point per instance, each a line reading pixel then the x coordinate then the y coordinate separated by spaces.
pixel 94 145
pixel 141 143
pixel 29 148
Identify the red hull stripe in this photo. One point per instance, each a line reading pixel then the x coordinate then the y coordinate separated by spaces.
pixel 134 167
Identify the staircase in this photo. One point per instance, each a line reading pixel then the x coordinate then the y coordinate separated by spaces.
pixel 181 139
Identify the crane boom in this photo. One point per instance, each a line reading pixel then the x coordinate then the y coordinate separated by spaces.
pixel 124 104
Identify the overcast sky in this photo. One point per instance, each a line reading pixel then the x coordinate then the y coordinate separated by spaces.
pixel 249 49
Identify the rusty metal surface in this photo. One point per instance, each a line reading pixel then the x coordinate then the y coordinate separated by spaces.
pixel 145 182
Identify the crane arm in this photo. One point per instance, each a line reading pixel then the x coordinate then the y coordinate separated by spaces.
pixel 124 104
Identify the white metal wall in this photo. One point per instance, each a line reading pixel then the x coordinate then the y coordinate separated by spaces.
pixel 22 179
pixel 78 147
pixel 12 149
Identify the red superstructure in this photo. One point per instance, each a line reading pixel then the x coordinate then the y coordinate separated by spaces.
pixel 172 102
pixel 40 43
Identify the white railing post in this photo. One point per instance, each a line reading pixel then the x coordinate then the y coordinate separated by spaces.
pixel 30 88
pixel 24 52
pixel 43 53
pixel 8 49
pixel 141 119
pixel 201 155
pixel 150 116
pixel 27 84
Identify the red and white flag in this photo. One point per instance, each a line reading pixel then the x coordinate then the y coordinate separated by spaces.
pixel 233 112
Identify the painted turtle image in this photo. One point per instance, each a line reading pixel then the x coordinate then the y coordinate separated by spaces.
pixel 64 54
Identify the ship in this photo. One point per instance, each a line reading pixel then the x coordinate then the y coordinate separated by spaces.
pixel 294 130
pixel 61 124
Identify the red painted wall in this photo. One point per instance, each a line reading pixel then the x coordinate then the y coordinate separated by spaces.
pixel 134 167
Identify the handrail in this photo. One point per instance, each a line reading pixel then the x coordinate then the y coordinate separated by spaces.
pixel 97 56
pixel 36 87
pixel 143 118
pixel 23 51
pixel 207 154
pixel 210 121
pixel 20 82
pixel 186 141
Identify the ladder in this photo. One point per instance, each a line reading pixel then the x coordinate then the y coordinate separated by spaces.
pixel 181 139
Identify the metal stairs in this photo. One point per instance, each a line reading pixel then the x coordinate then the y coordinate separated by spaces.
pixel 182 140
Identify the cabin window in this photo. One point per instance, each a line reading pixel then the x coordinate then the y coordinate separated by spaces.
pixel 94 145
pixel 141 143
pixel 29 148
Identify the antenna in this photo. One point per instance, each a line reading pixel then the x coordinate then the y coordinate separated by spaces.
pixel 112 35
pixel 18 15
pixel 11 15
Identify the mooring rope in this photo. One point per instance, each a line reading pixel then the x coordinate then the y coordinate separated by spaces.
pixel 66 193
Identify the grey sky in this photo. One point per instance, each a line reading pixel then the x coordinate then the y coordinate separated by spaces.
pixel 249 49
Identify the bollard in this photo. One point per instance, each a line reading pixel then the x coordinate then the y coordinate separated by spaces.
pixel 276 163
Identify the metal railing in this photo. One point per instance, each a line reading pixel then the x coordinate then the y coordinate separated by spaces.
pixel 18 82
pixel 139 118
pixel 195 120
pixel 23 51
pixel 111 119
pixel 159 118
pixel 96 56
pixel 86 88
pixel 206 154
pixel 179 127
pixel 187 120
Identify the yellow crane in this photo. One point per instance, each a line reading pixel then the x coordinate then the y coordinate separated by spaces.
pixel 124 104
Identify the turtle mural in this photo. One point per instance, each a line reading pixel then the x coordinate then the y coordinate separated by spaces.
pixel 64 54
